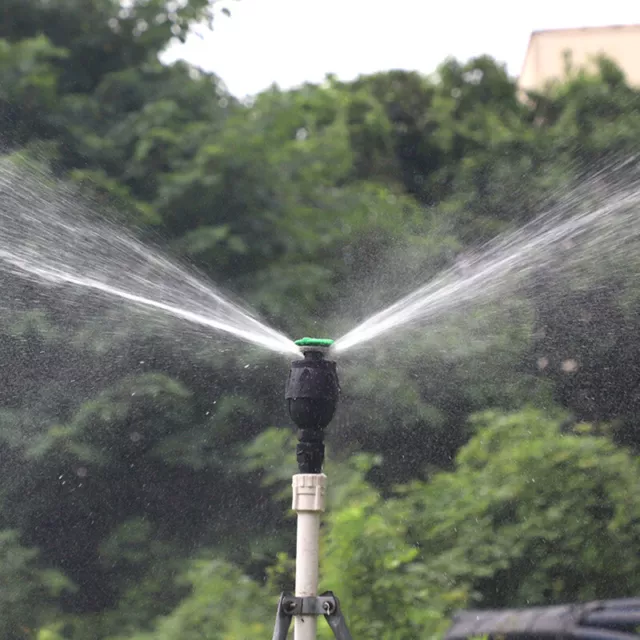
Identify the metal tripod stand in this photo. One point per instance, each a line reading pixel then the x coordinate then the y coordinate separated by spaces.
pixel 312 394
pixel 326 604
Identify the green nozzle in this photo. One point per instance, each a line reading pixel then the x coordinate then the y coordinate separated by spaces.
pixel 314 342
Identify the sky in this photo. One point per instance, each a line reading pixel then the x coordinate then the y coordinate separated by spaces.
pixel 289 42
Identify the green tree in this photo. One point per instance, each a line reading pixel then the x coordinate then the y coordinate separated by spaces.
pixel 538 516
pixel 530 515
pixel 27 590
pixel 125 449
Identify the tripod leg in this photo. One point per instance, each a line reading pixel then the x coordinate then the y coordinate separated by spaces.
pixel 336 620
pixel 283 621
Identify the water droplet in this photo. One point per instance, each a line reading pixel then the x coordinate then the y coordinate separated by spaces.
pixel 569 366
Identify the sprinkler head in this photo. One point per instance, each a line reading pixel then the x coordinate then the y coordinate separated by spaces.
pixel 312 388
pixel 321 343
pixel 312 395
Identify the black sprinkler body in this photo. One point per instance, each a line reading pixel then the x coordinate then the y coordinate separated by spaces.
pixel 312 394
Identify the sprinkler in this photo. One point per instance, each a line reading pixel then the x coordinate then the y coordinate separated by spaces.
pixel 311 393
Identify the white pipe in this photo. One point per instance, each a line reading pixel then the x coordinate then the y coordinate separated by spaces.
pixel 308 501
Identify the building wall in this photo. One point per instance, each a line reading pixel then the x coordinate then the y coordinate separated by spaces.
pixel 545 61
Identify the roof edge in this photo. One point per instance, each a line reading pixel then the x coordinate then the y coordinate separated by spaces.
pixel 579 29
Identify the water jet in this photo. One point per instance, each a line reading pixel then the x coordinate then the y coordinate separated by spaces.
pixel 52 236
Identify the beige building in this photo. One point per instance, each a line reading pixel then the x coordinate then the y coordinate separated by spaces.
pixel 545 58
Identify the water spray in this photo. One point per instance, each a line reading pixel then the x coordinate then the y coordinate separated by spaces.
pixel 312 393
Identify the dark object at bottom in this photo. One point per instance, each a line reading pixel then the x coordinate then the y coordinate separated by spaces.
pixel 599 620
pixel 326 605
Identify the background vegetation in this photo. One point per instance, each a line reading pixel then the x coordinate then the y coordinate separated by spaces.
pixel 144 489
